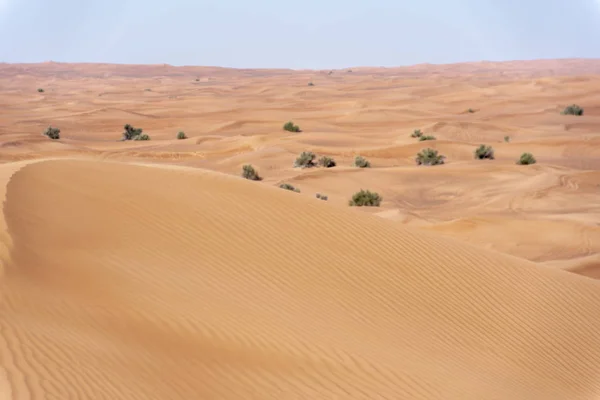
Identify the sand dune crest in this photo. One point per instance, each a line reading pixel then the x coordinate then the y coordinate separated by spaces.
pixel 149 283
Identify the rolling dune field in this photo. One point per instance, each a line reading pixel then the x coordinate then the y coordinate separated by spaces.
pixel 153 270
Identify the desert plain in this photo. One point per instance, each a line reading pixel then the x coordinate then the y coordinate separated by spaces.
pixel 153 270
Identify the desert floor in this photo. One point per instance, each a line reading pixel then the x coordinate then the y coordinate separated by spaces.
pixel 152 270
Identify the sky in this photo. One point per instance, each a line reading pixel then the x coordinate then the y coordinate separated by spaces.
pixel 315 34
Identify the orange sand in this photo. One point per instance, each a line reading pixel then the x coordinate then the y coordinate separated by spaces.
pixel 151 270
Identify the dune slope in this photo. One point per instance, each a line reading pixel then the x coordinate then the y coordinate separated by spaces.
pixel 131 282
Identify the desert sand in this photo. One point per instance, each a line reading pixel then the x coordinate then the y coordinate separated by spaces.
pixel 153 270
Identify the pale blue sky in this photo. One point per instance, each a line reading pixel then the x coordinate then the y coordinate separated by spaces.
pixel 297 33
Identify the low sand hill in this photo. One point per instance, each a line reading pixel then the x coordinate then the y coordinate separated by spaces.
pixel 151 270
pixel 133 282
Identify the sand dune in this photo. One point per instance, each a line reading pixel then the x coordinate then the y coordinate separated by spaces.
pixel 134 282
pixel 151 270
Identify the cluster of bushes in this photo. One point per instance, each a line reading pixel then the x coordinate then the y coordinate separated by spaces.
pixel 306 159
pixel 419 135
pixel 290 127
pixel 131 133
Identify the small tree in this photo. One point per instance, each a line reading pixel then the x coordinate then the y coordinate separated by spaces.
pixel 427 137
pixel 52 133
pixel 429 157
pixel 417 133
pixel 250 173
pixel 181 135
pixel 327 162
pixel 131 132
pixel 484 152
pixel 361 162
pixel 365 198
pixel 290 127
pixel 526 159
pixel 573 109
pixel 287 186
pixel 305 160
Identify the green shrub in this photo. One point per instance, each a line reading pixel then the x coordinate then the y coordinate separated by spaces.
pixel 526 159
pixel 143 136
pixel 305 160
pixel 321 196
pixel 131 133
pixel 181 135
pixel 417 133
pixel 429 157
pixel 361 162
pixel 290 127
pixel 573 109
pixel 40 90
pixel 365 198
pixel 484 152
pixel 507 139
pixel 470 111
pixel 311 84
pixel 52 133
pixel 424 138
pixel 326 162
pixel 287 186
pixel 250 173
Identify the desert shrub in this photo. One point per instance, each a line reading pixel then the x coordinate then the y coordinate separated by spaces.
pixel 470 111
pixel 287 186
pixel 311 84
pixel 321 196
pixel 40 90
pixel 290 127
pixel 305 160
pixel 417 133
pixel 427 137
pixel 365 198
pixel 573 109
pixel 181 135
pixel 143 136
pixel 484 152
pixel 326 162
pixel 429 157
pixel 361 162
pixel 526 159
pixel 52 133
pixel 507 139
pixel 250 173
pixel 131 133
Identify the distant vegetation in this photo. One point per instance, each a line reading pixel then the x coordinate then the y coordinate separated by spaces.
pixel 181 135
pixel 287 186
pixel 365 198
pixel 361 162
pixel 426 137
pixel 484 152
pixel 429 157
pixel 326 162
pixel 311 84
pixel 132 133
pixel 573 109
pixel 321 196
pixel 470 111
pixel 526 159
pixel 417 133
pixel 52 133
pixel 40 90
pixel 250 173
pixel 507 139
pixel 305 160
pixel 290 127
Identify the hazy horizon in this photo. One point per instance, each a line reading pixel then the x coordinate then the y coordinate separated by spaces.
pixel 297 35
